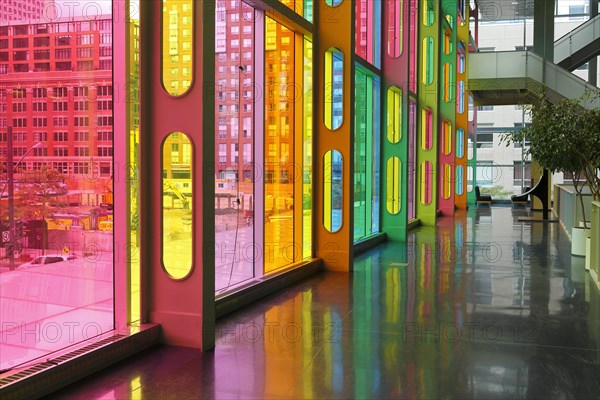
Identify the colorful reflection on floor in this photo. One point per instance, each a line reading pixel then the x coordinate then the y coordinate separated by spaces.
pixel 468 309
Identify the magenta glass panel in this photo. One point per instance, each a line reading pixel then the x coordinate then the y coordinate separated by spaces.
pixel 412 67
pixel 394 28
pixel 428 181
pixel 368 30
pixel 56 185
pixel 235 169
pixel 412 134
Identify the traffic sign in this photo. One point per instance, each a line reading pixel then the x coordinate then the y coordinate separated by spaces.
pixel 5 236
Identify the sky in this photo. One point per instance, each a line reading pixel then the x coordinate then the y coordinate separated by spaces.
pixel 76 8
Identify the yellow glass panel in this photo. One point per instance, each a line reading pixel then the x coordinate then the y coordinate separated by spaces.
pixel 446 82
pixel 279 150
pixel 423 179
pixel 177 227
pixel 447 181
pixel 447 148
pixel 424 61
pixel 393 185
pixel 333 88
pixel 394 115
pixel 426 129
pixel 177 45
pixel 307 190
pixel 428 12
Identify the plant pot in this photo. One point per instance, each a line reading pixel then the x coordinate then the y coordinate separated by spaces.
pixel 578 236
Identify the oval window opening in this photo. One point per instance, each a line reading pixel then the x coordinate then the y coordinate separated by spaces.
pixel 394 115
pixel 459 180
pixel 332 190
pixel 393 184
pixel 334 88
pixel 460 143
pixel 177 218
pixel 177 46
pixel 426 181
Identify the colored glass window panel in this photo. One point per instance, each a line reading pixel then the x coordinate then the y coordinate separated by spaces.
pixel 132 171
pixel 461 63
pixel 307 144
pixel 448 82
pixel 447 138
pixel 447 43
pixel 334 84
pixel 412 169
pixel 426 183
pixel 301 7
pixel 177 221
pixel 459 180
pixel 393 186
pixel 368 31
pixel 279 148
pixel 332 190
pixel 394 115
pixel 57 256
pixel 177 45
pixel 333 3
pixel 470 146
pixel 447 181
pixel 236 143
pixel 428 58
pixel 394 33
pixel 366 152
pixel 426 129
pixel 412 70
pixel 428 9
pixel 460 100
pixel 460 143
pixel 469 178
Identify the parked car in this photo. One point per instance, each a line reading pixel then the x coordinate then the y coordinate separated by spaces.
pixel 43 260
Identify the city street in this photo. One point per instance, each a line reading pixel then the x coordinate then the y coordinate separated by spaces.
pixel 48 307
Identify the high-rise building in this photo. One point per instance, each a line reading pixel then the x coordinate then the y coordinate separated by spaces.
pixel 56 93
pixel 25 11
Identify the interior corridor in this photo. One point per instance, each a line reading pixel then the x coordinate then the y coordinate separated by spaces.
pixel 481 307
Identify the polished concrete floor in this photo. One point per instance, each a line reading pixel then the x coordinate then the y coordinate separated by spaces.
pixel 481 307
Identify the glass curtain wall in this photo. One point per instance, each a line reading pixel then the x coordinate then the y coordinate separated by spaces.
pixel 236 174
pixel 133 160
pixel 366 154
pixel 268 156
pixel 56 182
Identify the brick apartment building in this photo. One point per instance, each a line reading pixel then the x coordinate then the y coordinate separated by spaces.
pixel 56 93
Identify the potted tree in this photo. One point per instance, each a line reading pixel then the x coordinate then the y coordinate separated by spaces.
pixel 565 137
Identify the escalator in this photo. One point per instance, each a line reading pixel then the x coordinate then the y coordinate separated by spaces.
pixel 513 77
pixel 578 46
